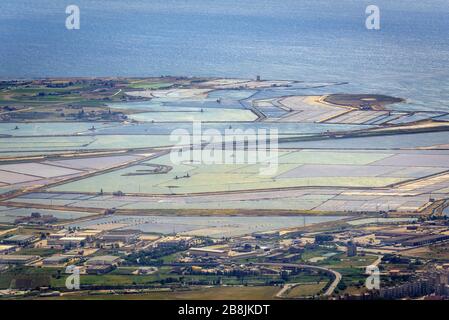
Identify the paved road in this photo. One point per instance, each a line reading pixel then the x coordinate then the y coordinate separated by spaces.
pixel 334 274
pixel 285 288
pixel 117 93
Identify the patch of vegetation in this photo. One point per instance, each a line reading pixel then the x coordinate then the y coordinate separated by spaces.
pixel 221 293
pixel 342 261
pixel 150 85
pixel 306 290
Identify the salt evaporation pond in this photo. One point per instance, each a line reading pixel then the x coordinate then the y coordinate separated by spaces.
pixel 216 227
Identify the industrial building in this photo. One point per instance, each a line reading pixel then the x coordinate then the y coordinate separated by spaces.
pixel 410 239
pixel 267 235
pixel 102 264
pixel 125 236
pixel 99 269
pixel 419 241
pixel 205 252
pixel 20 240
pixel 276 256
pixel 176 241
pixel 88 234
pixel 103 260
pixel 17 259
pixel 67 241
pixel 57 260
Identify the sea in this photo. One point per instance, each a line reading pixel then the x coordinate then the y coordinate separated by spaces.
pixel 304 40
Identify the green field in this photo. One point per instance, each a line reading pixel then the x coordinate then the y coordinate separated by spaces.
pixel 215 293
pixel 343 262
pixel 150 85
pixel 123 278
pixel 306 290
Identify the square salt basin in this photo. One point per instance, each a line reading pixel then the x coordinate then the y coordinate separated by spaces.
pixel 13 177
pixel 410 160
pixel 306 171
pixel 93 163
pixel 41 170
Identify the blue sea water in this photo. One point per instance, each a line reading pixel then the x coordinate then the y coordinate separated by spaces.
pixel 313 40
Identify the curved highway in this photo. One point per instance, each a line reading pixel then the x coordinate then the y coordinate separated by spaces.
pixel 336 276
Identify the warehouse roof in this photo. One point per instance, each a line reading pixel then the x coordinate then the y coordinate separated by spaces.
pixel 103 260
pixel 20 237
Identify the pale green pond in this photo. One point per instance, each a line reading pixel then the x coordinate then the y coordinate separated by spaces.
pixel 184 114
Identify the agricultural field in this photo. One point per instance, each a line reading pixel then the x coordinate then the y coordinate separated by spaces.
pixel 303 290
pixel 434 252
pixel 342 262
